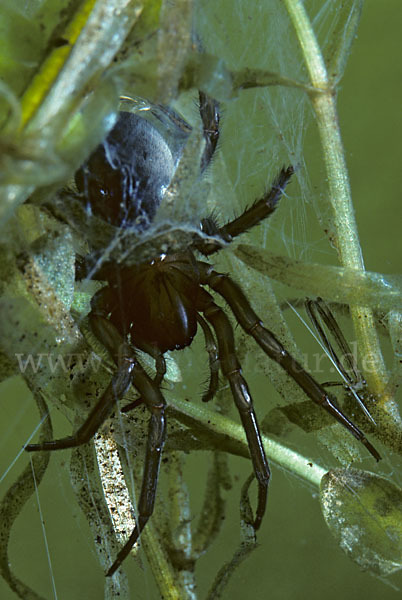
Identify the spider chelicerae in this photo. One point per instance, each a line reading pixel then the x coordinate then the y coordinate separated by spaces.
pixel 156 305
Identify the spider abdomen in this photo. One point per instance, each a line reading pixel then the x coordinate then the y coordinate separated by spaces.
pixel 125 178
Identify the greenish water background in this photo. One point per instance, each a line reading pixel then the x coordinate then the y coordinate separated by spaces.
pixel 297 557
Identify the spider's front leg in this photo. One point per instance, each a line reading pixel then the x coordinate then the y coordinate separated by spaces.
pixel 260 210
pixel 232 371
pixel 251 324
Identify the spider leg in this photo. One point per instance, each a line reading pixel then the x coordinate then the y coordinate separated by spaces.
pixel 260 210
pixel 160 365
pixel 231 369
pixel 251 324
pixel 152 397
pixel 153 454
pixel 130 371
pixel 101 411
pixel 320 307
pixel 210 116
pixel 210 347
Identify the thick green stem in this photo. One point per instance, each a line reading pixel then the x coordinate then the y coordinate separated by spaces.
pixel 324 104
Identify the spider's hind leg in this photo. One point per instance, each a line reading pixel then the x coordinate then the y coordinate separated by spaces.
pixel 106 332
pixel 129 371
pixel 272 347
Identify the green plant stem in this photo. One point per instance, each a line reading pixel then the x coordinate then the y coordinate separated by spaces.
pixel 323 100
pixel 164 573
pixel 223 427
pixel 180 524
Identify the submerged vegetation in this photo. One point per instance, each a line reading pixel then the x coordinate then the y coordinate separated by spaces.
pixel 59 96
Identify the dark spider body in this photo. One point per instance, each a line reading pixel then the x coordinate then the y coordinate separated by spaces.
pixel 160 300
pixel 157 305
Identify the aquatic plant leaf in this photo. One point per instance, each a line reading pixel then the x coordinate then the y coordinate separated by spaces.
pixel 363 511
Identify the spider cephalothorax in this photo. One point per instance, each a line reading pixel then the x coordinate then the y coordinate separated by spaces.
pixel 157 305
